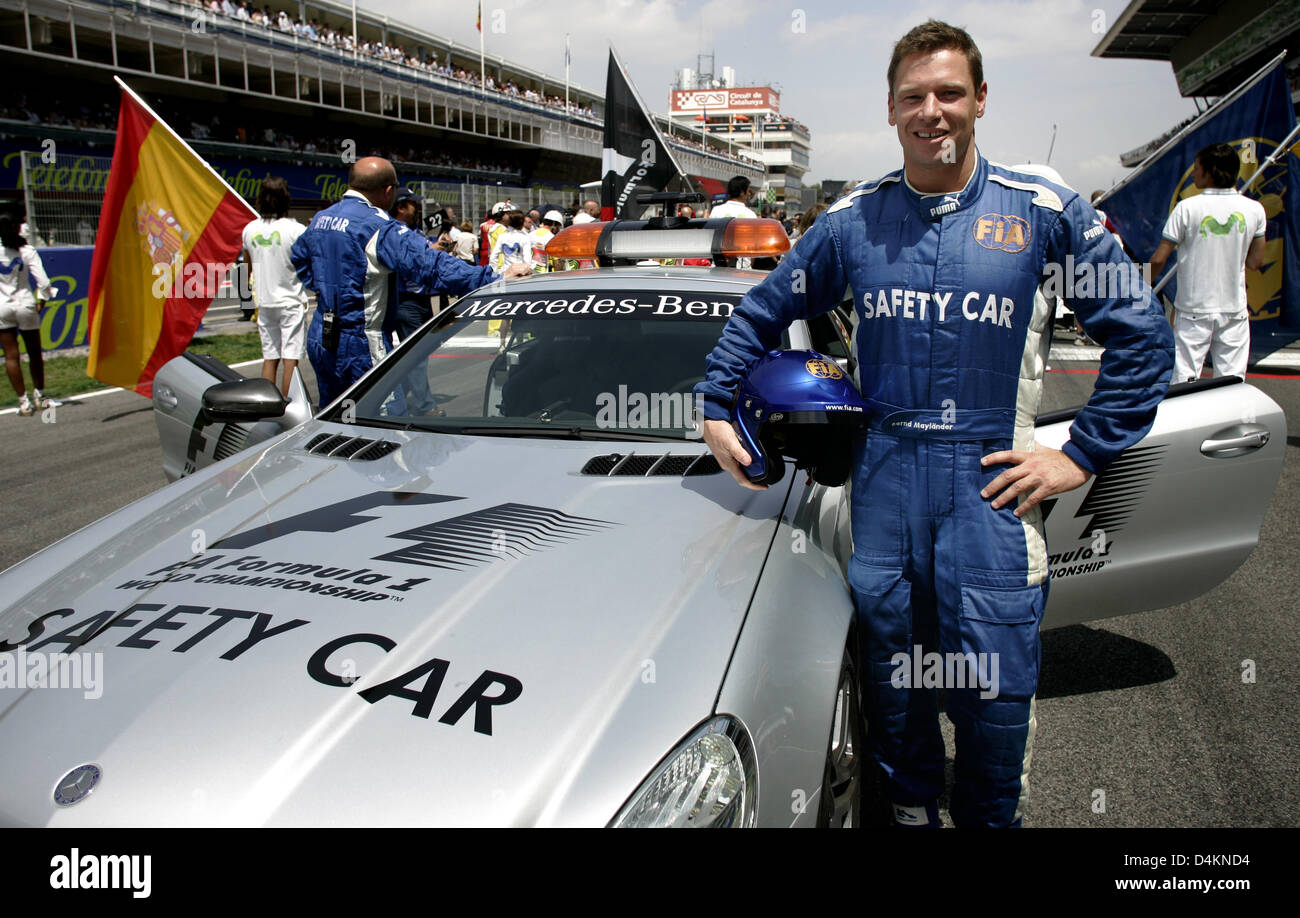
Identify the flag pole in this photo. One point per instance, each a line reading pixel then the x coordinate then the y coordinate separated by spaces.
pixel 1281 150
pixel 482 61
pixel 566 74
pixel 217 175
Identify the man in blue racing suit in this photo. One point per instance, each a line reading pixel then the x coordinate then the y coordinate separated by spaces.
pixel 348 256
pixel 946 261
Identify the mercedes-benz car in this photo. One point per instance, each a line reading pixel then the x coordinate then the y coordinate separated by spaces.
pixel 501 581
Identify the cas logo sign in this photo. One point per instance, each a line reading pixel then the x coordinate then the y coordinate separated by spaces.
pixel 1002 232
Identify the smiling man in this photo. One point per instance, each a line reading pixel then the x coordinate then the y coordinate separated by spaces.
pixel 944 259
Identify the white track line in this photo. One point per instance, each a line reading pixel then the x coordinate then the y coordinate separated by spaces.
pixel 97 392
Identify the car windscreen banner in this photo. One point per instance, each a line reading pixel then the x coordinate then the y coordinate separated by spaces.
pixel 606 304
pixel 635 157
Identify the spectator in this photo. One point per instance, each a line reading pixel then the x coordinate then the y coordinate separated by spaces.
pixel 512 245
pixel 20 313
pixel 806 220
pixel 736 205
pixel 1221 231
pixel 467 244
pixel 279 294
pixel 589 214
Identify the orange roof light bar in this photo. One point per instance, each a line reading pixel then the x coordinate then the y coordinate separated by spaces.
pixel 577 241
pixel 635 239
pixel 754 238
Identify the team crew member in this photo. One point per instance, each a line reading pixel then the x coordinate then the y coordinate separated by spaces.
pixel 552 223
pixel 346 255
pixel 487 230
pixel 1220 230
pixel 414 305
pixel 280 297
pixel 944 259
pixel 20 313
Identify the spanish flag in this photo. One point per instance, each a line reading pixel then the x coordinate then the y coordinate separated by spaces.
pixel 168 228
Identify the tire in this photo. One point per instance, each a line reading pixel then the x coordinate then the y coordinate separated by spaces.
pixel 840 804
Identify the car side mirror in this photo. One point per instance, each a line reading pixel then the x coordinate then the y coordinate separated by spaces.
pixel 244 400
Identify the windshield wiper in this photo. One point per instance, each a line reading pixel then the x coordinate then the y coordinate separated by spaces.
pixel 389 424
pixel 571 433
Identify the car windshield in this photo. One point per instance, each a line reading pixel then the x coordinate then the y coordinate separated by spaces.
pixel 606 365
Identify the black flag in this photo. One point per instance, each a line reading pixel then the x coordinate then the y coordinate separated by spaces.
pixel 635 155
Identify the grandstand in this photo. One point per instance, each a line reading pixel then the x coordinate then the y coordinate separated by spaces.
pixel 293 95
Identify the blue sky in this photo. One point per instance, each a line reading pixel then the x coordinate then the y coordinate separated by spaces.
pixel 832 73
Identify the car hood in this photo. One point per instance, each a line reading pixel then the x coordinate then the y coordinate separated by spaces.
pixel 464 631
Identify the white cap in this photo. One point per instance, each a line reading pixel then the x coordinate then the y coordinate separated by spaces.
pixel 553 216
pixel 500 207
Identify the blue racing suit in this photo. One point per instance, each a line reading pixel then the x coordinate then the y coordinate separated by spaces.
pixel 347 256
pixel 952 337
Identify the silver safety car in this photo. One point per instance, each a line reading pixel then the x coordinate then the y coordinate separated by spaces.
pixel 501 582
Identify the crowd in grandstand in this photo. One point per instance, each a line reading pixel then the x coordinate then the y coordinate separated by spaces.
pixel 427 61
pixel 105 118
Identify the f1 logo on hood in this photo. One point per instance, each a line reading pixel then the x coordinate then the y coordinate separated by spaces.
pixel 332 517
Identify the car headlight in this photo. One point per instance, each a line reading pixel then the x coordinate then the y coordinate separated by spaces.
pixel 710 780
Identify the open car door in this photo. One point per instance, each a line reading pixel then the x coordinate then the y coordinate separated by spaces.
pixel 190 438
pixel 1173 516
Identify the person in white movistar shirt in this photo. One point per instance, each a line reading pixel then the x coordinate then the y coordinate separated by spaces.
pixel 1219 232
pixel 280 296
pixel 20 313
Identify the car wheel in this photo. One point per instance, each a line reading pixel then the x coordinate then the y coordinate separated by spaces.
pixel 841 794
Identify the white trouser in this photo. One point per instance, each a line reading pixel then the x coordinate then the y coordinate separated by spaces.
pixel 1225 336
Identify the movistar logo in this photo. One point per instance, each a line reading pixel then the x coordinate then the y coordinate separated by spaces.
pixel 267 241
pixel 1210 225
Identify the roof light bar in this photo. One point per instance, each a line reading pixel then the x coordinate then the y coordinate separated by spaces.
pixel 638 239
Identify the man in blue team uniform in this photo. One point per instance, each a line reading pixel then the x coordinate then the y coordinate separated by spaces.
pixel 944 259
pixel 348 256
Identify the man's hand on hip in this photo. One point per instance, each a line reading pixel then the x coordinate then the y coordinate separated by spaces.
pixel 724 443
pixel 1039 472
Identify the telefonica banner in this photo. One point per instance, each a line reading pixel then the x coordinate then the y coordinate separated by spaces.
pixel 81 171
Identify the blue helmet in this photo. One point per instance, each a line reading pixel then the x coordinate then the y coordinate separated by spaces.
pixel 802 405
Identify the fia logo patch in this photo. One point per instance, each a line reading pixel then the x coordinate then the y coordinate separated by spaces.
pixel 1002 232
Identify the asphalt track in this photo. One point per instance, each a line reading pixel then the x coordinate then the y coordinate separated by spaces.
pixel 1150 708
